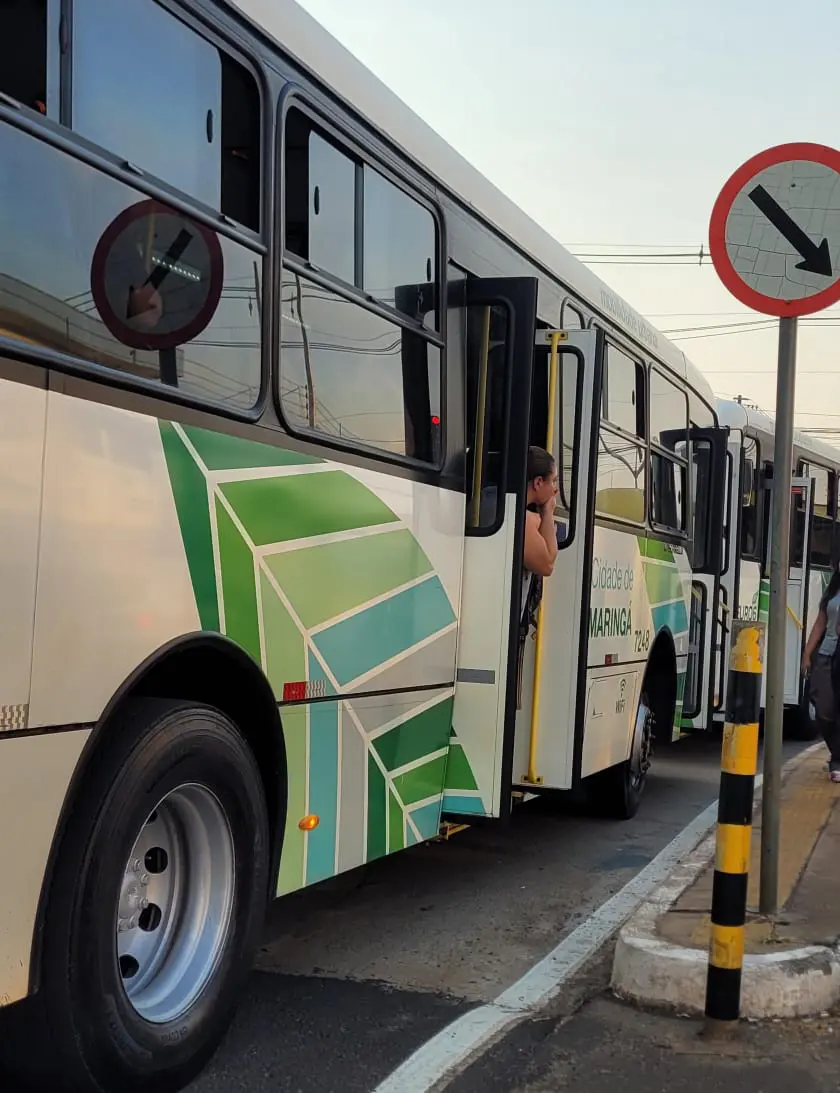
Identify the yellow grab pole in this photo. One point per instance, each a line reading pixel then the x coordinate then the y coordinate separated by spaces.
pixel 532 777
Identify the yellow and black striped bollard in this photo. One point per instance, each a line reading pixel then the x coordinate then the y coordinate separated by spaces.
pixel 739 761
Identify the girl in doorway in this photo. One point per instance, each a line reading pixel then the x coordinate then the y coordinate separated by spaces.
pixel 819 664
pixel 540 533
pixel 540 552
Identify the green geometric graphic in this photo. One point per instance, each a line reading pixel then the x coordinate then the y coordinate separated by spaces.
pixel 319 580
pixel 666 590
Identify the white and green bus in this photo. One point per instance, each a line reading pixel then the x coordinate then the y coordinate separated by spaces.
pixel 271 359
pixel 744 588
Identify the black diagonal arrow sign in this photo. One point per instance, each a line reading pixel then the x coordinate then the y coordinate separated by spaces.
pixel 815 257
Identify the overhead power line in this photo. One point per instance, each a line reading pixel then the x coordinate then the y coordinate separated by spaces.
pixel 630 254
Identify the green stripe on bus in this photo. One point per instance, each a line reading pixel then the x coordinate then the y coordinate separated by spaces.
pixel 459 775
pixel 663 583
pixel 653 548
pixel 396 822
pixel 377 802
pixel 325 581
pixel 418 736
pixel 189 490
pixel 422 782
pixel 275 510
pixel 220 452
pixel 291 862
pixel 238 585
pixel 285 653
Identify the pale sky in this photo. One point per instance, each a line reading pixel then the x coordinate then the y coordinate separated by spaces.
pixel 614 124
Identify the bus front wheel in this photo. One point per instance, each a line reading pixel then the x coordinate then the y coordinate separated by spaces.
pixel 155 908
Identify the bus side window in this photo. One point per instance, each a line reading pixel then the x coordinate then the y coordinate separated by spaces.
pixel 620 490
pixel 669 452
pixel 188 112
pixel 821 534
pixel 23 52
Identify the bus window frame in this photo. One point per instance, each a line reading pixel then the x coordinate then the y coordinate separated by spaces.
pixel 805 469
pixel 759 479
pixel 727 515
pixel 569 304
pixel 66 141
pixel 630 354
pixel 571 502
pixel 655 448
pixel 700 586
pixel 479 531
pixel 339 130
pixel 211 33
pixel 639 443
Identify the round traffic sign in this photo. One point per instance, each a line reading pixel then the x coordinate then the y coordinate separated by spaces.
pixel 775 230
pixel 156 276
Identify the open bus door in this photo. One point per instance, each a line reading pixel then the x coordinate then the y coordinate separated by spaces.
pixel 549 721
pixel 499 319
pixel 708 546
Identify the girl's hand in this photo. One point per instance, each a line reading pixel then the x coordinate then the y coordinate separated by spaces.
pixel 806 663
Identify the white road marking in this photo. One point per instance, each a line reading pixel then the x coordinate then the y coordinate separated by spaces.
pixel 456 1046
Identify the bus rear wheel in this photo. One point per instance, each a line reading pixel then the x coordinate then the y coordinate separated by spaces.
pixel 617 792
pixel 155 908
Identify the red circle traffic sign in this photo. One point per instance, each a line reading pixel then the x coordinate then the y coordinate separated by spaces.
pixel 775 230
pixel 156 276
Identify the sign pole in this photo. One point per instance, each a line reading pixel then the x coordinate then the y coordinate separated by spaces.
pixel 777 620
pixel 772 247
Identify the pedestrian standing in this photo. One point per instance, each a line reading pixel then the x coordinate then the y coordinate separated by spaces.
pixel 821 664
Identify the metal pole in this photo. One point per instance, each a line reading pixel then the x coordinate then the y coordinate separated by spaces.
pixel 777 619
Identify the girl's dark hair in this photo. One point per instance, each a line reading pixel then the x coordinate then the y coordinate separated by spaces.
pixel 832 590
pixel 541 463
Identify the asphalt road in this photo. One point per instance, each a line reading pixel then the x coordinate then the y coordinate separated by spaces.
pixel 355 975
pixel 351 980
pixel 608 1047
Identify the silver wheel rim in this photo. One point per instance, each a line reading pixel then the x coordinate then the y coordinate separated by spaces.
pixel 175 903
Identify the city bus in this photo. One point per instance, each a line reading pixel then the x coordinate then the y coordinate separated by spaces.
pixel 272 357
pixel 744 586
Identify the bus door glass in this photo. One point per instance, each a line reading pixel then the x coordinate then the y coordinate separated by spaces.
pixel 498 321
pixel 553 660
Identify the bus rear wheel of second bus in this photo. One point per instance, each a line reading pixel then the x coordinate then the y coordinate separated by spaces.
pixel 154 910
pixel 617 792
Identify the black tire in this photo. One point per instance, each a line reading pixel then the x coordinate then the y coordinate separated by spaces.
pixel 81 1033
pixel 617 793
pixel 800 724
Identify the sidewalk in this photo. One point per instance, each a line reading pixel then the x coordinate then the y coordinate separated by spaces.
pixel 657 1046
pixel 792 967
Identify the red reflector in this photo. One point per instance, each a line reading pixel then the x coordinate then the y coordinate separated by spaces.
pixel 611 658
pixel 294 692
pixel 435 420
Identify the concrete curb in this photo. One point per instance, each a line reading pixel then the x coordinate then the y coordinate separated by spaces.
pixel 653 972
